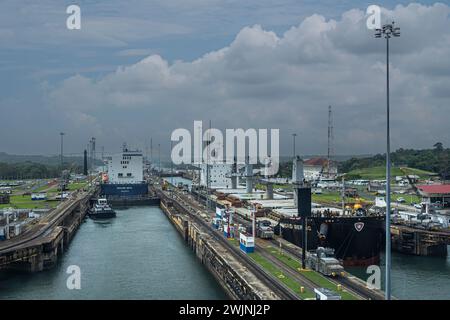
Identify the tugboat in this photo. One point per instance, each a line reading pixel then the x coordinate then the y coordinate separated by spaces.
pixel 102 210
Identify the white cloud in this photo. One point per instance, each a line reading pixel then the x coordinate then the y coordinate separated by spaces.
pixel 287 82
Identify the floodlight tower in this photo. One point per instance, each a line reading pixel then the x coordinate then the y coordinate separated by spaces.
pixel 388 31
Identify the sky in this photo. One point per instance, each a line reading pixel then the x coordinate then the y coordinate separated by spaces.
pixel 139 69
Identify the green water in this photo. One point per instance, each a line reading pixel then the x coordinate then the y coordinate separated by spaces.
pixel 137 255
pixel 419 278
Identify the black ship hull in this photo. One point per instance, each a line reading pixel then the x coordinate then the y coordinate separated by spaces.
pixel 357 241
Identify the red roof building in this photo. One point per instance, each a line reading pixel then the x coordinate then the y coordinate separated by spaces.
pixel 435 189
pixel 436 193
pixel 316 162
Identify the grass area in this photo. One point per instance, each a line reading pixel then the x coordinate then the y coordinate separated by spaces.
pixel 234 241
pixel 289 282
pixel 379 173
pixel 46 187
pixel 417 172
pixel 25 202
pixel 333 197
pixel 77 185
pixel 31 205
pixel 408 198
pixel 316 277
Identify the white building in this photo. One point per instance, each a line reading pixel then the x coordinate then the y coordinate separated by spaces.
pixel 126 167
pixel 219 175
pixel 315 167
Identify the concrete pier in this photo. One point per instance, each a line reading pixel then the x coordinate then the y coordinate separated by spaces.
pixel 39 248
pixel 419 242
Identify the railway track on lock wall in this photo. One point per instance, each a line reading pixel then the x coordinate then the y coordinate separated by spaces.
pixel 350 285
pixel 356 289
pixel 279 288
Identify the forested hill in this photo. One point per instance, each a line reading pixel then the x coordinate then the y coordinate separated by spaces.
pixel 435 160
pixel 41 159
pixel 36 166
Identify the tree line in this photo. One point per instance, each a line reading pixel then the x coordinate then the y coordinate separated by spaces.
pixel 32 170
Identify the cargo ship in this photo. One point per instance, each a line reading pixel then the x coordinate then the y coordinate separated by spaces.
pixel 356 235
pixel 123 183
pixel 356 240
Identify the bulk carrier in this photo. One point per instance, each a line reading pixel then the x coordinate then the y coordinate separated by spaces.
pixel 356 235
pixel 356 240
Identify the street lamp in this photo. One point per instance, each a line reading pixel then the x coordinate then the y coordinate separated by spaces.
pixel 388 31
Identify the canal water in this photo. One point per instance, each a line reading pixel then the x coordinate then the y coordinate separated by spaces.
pixel 137 255
pixel 418 278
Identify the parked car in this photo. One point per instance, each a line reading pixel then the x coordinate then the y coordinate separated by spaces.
pixel 401 200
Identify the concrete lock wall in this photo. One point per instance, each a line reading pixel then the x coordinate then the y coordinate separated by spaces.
pixel 206 251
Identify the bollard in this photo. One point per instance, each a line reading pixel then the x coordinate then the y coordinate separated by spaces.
pixel 302 289
pixel 339 287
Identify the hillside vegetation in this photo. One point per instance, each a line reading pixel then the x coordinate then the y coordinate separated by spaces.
pixel 418 162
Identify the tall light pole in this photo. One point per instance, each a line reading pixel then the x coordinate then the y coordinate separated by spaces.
pixel 293 145
pixel 388 31
pixel 171 169
pixel 159 160
pixel 62 165
pixel 62 143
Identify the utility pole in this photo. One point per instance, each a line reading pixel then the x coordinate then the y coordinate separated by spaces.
pixel 151 152
pixel 208 172
pixel 171 169
pixel 93 152
pixel 62 145
pixel 159 160
pixel 343 195
pixel 103 158
pixel 293 146
pixel 62 165
pixel 388 31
